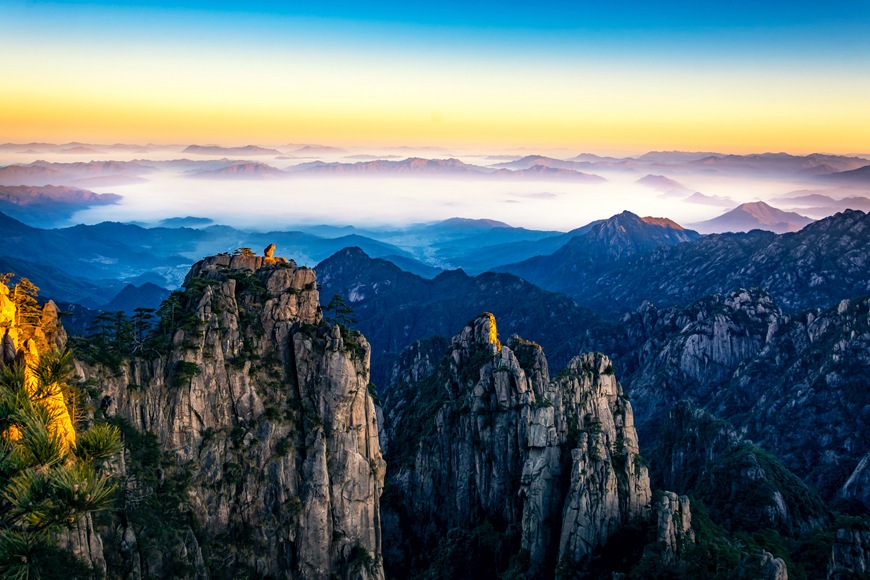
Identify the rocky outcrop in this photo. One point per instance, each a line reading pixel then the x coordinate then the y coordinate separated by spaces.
pixel 485 440
pixel 762 566
pixel 741 358
pixel 689 352
pixel 850 555
pixel 674 533
pixel 857 487
pixel 265 410
pixel 811 403
pixel 609 483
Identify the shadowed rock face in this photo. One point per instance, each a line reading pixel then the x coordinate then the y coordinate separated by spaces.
pixel 850 554
pixel 742 358
pixel 744 487
pixel 483 439
pixel 268 410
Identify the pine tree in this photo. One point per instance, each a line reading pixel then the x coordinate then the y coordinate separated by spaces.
pixel 142 318
pixel 29 312
pixel 46 483
pixel 342 312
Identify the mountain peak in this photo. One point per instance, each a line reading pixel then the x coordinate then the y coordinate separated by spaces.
pixel 663 222
pixel 459 222
pixel 756 215
pixel 481 331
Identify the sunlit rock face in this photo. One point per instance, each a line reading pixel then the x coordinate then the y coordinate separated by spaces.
pixel 22 341
pixel 268 409
pixel 482 439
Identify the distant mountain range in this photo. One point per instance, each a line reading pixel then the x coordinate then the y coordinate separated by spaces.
pixel 216 150
pixel 716 200
pixel 857 176
pixel 104 173
pixel 50 203
pixel 78 260
pixel 443 167
pixel 241 170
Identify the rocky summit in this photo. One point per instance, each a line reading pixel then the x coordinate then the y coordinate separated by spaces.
pixel 482 444
pixel 266 427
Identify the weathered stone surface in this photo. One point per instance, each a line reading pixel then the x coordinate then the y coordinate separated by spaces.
pixel 673 517
pixel 274 423
pixel 609 483
pixel 850 555
pixel 762 566
pixel 485 436
pixel 857 487
pixel 84 542
pixel 741 358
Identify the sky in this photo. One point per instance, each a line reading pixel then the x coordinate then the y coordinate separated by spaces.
pixel 623 77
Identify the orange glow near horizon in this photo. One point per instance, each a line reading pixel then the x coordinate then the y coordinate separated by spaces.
pixel 44 117
pixel 317 90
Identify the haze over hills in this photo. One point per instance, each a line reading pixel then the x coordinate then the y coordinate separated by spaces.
pixel 538 191
pixel 49 204
pixel 374 296
pixel 217 150
pixel 710 339
pixel 665 185
pixel 857 176
pixel 125 251
pixel 755 215
pixel 716 200
pixel 40 173
pixel 241 170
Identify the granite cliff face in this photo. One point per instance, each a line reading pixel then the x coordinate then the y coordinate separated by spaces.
pixel 741 358
pixel 486 450
pixel 690 352
pixel 264 413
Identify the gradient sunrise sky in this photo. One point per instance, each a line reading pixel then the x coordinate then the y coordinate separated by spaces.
pixel 738 76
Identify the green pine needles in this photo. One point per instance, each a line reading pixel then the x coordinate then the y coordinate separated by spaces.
pixel 47 483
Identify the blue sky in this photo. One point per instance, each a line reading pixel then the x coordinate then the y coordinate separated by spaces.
pixel 745 75
pixel 614 15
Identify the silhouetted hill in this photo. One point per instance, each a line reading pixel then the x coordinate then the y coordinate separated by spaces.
pixel 131 297
pixel 584 256
pixel 215 150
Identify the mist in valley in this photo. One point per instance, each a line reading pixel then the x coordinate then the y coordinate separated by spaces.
pixel 294 200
